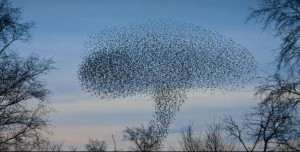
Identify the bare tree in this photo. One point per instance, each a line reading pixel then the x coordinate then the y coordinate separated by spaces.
pixel 144 139
pixel 282 17
pixel 11 29
pixel 285 92
pixel 269 126
pixel 96 145
pixel 214 139
pixel 23 106
pixel 47 145
pixel 280 94
pixel 189 141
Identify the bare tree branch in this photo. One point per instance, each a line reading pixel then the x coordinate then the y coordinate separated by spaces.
pixel 23 105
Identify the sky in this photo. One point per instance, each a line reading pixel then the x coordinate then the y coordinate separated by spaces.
pixel 62 27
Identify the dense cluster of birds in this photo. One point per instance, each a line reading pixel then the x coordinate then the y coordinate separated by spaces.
pixel 163 59
pixel 141 59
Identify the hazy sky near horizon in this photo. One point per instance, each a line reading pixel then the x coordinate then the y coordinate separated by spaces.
pixel 62 27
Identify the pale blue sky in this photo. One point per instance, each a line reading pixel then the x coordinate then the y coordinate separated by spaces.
pixel 62 26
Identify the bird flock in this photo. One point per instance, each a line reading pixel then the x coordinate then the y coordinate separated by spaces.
pixel 141 59
pixel 163 59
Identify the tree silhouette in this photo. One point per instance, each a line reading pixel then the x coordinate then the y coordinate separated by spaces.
pixel 269 126
pixel 189 141
pixel 280 92
pixel 23 106
pixel 47 145
pixel 95 145
pixel 214 139
pixel 11 29
pixel 165 60
pixel 144 139
pixel 282 17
